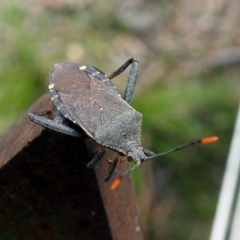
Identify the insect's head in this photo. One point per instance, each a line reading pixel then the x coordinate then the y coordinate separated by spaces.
pixel 136 154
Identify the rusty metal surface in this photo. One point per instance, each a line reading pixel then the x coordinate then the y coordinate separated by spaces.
pixel 48 193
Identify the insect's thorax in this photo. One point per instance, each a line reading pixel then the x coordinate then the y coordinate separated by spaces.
pixel 122 134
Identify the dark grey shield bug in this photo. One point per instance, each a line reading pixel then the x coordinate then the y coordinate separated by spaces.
pixel 86 97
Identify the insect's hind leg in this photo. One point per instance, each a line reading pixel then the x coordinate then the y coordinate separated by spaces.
pixel 56 124
pixel 132 77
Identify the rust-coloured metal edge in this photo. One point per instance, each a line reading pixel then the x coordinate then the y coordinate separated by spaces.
pixel 48 193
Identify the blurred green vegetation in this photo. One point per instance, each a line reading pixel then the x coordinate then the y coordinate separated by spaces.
pixel 180 96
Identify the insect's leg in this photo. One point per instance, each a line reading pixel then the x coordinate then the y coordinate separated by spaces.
pixel 121 69
pixel 56 126
pixel 95 159
pixel 132 77
pixel 132 81
pixel 44 112
pixel 111 170
pixel 58 117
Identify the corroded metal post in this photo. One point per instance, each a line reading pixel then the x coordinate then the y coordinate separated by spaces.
pixel 47 192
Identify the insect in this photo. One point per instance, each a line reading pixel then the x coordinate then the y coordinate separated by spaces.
pixel 86 99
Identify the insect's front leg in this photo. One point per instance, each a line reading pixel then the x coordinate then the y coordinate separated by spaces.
pixel 111 170
pixel 54 125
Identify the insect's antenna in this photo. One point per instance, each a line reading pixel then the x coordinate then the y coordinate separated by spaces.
pixel 202 141
pixel 117 181
pixel 151 155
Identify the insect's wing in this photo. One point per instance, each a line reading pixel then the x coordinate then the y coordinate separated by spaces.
pixel 89 102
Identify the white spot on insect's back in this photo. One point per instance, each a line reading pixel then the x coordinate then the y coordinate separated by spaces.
pixel 54 97
pixel 95 73
pixel 51 86
pixel 82 67
pixel 59 106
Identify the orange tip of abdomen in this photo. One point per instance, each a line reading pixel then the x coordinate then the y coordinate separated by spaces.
pixel 209 140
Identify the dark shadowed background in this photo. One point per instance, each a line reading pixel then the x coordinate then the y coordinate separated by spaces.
pixel 188 87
